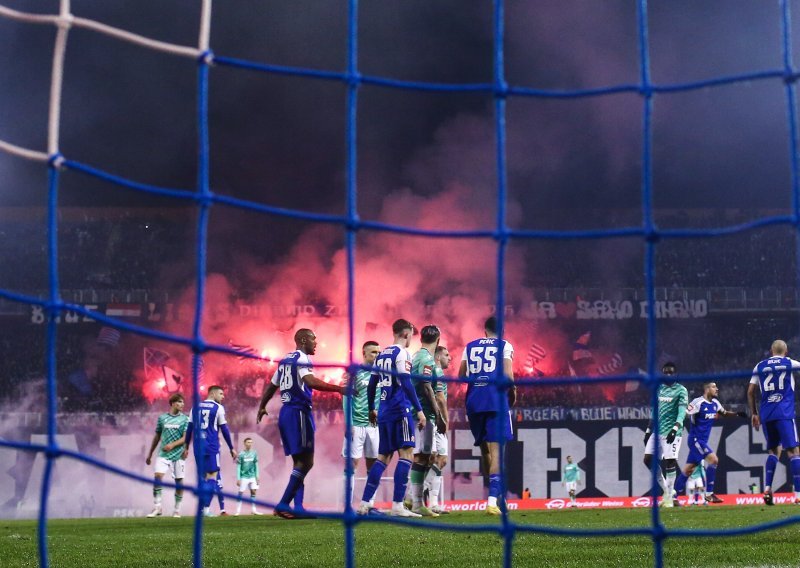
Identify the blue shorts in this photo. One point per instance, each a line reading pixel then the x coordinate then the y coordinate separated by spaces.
pixel 395 435
pixel 485 427
pixel 297 430
pixel 210 463
pixel 780 433
pixel 698 449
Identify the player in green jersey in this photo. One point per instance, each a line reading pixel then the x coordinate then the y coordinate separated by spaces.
pixel 433 479
pixel 695 486
pixel 171 432
pixel 571 478
pixel 247 475
pixel 422 367
pixel 364 435
pixel 673 399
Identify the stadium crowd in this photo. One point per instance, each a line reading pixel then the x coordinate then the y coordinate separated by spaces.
pixel 130 250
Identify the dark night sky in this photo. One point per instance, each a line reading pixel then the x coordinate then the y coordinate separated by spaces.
pixel 280 140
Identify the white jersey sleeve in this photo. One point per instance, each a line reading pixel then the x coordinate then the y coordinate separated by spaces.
pixel 221 416
pixel 274 379
pixel 303 366
pixel 694 406
pixel 403 361
pixel 719 406
pixel 754 379
pixel 795 365
pixel 508 351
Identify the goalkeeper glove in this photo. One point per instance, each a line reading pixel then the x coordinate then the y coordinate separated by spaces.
pixel 741 414
pixel 672 434
pixel 647 435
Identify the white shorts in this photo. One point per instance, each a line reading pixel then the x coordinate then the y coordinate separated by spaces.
pixel 694 483
pixel 441 444
pixel 246 483
pixel 177 468
pixel 365 443
pixel 424 438
pixel 668 451
pixel 571 486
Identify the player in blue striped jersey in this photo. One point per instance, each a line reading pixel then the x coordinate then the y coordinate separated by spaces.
pixel 210 416
pixel 484 363
pixel 774 378
pixel 394 420
pixel 704 411
pixel 295 379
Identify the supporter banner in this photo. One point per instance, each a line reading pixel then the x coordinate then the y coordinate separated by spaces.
pixel 607 450
pixel 609 453
pixel 619 310
pixel 580 310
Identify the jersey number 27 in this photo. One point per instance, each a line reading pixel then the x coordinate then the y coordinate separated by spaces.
pixel 768 384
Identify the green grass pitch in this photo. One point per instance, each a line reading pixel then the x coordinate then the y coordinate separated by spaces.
pixel 268 541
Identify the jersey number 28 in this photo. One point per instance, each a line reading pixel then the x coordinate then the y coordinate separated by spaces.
pixel 285 377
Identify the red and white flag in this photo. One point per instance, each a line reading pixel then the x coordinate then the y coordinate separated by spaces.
pixel 124 310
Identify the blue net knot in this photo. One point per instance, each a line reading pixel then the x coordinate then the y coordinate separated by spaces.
pixel 501 235
pixel 56 161
pixel 659 532
pixel 53 452
pixel 354 79
pixel 353 223
pixel 206 57
pixel 790 77
pixel 652 235
pixel 501 90
pixel 199 346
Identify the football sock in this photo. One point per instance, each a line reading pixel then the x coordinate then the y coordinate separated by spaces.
pixel 295 482
pixel 239 504
pixel 494 489
pixel 157 495
pixel 400 480
pixel 436 485
pixel 772 463
pixel 211 487
pixel 711 474
pixel 253 502
pixel 417 478
pixel 178 499
pixel 428 483
pixel 794 462
pixel 352 483
pixel 670 486
pixel 680 483
pixel 373 480
pixel 221 499
pixel 300 495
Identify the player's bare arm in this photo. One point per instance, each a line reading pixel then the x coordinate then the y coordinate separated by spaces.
pixel 427 392
pixel 320 385
pixel 441 403
pixel 265 398
pixel 751 401
pixel 732 414
pixel 175 444
pixel 508 371
pixel 153 446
